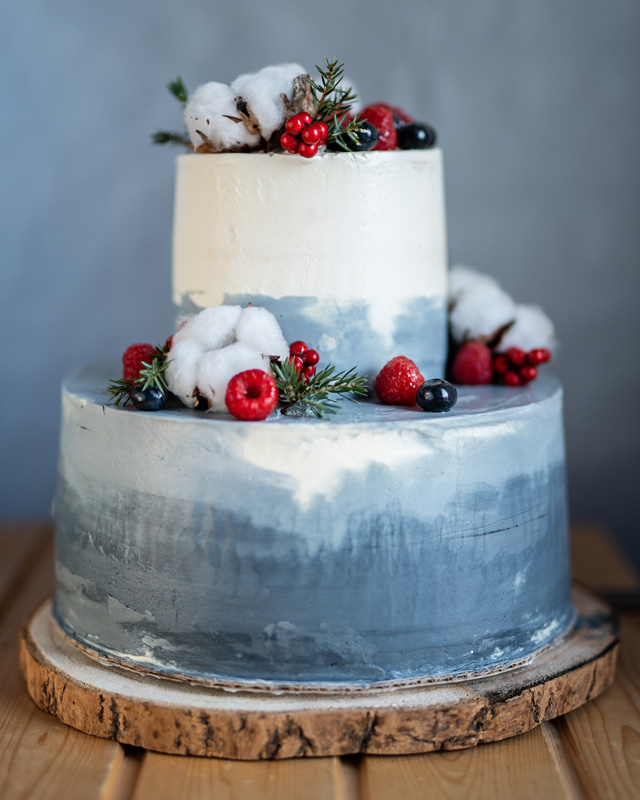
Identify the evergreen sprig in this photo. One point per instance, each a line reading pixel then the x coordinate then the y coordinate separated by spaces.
pixel 152 375
pixel 170 137
pixel 298 396
pixel 179 91
pixel 332 103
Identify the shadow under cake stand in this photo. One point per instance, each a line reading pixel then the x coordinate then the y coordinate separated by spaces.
pixel 175 716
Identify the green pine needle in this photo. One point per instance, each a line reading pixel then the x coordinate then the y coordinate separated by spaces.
pixel 332 103
pixel 297 396
pixel 179 90
pixel 152 375
pixel 170 137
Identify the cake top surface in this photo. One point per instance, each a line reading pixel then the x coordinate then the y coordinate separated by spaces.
pixel 87 386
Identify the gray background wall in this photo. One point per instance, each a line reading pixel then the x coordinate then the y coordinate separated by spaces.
pixel 537 111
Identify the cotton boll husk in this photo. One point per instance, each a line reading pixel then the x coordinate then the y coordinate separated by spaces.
pixel 217 367
pixel 259 329
pixel 212 327
pixel 182 370
pixel 206 112
pixel 463 278
pixel 480 312
pixel 532 329
pixel 261 90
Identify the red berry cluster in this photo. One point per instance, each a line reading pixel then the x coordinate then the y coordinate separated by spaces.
pixel 303 136
pixel 516 367
pixel 304 359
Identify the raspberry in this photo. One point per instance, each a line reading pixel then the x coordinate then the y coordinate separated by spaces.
pixel 404 118
pixel 133 357
pixel 381 117
pixel 398 382
pixel 251 395
pixel 472 364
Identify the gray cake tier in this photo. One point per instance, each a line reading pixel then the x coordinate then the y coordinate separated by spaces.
pixel 384 544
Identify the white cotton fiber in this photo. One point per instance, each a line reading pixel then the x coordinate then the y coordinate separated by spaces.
pixel 206 112
pixel 261 90
pixel 480 311
pixel 212 327
pixel 182 370
pixel 463 278
pixel 217 367
pixel 532 329
pixel 259 329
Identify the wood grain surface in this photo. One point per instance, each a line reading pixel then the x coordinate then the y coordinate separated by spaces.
pixel 592 752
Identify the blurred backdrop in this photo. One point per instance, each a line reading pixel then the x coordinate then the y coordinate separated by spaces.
pixel 536 107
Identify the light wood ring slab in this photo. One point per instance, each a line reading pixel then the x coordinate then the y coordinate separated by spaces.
pixel 175 717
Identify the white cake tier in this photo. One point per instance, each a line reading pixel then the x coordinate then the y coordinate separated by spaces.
pixel 348 250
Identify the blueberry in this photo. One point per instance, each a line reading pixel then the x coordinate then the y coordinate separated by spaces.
pixel 368 136
pixel 437 395
pixel 150 399
pixel 416 136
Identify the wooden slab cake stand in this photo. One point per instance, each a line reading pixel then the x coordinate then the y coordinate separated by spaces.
pixel 178 717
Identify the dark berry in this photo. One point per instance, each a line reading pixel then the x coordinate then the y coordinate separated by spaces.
pixel 512 378
pixel 416 136
pixel 311 134
pixel 500 365
pixel 437 395
pixel 149 399
pixel 527 374
pixel 516 356
pixel 367 135
pixel 538 356
pixel 294 125
pixel 310 358
pixel 289 142
pixel 307 150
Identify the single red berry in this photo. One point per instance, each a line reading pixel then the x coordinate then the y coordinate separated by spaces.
pixel 324 130
pixel 382 119
pixel 500 365
pixel 311 134
pixel 311 358
pixel 398 382
pixel 294 125
pixel 527 374
pixel 306 118
pixel 472 364
pixel 309 372
pixel 251 395
pixel 298 347
pixel 307 150
pixel 402 115
pixel 297 362
pixel 289 143
pixel 133 357
pixel 539 355
pixel 516 356
pixel 512 378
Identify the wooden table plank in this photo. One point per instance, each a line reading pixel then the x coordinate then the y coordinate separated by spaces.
pixel 39 756
pixel 175 777
pixel 523 767
pixel 20 542
pixel 598 561
pixel 603 737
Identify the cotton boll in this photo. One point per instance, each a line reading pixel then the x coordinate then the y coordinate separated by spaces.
pixel 217 367
pixel 463 278
pixel 532 329
pixel 259 329
pixel 182 370
pixel 206 112
pixel 480 311
pixel 213 327
pixel 261 90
